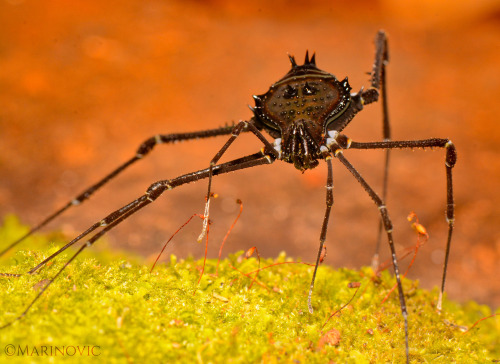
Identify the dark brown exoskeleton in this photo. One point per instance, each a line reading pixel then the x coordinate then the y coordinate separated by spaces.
pixel 299 109
pixel 304 112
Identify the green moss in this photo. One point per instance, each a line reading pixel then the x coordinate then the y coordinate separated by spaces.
pixel 166 316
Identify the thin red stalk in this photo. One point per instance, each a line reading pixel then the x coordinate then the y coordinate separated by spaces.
pixel 227 234
pixel 168 241
pixel 341 308
pixel 478 321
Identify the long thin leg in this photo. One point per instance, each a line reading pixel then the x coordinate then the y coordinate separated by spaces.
pixel 322 237
pixel 145 148
pixel 241 126
pixel 153 192
pixel 378 81
pixel 125 210
pixel 85 245
pixel 388 229
pixel 451 159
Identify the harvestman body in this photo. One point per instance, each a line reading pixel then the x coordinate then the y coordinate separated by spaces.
pixel 305 113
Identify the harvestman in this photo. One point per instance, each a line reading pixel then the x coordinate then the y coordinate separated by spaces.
pixel 304 112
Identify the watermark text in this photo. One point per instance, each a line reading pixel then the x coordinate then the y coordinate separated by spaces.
pixel 52 350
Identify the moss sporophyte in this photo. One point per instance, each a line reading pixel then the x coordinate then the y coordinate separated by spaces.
pixel 115 308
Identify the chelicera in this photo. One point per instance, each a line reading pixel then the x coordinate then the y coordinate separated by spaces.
pixel 305 113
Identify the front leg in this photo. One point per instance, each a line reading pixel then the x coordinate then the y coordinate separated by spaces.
pixel 322 237
pixel 241 126
pixel 450 160
pixel 388 229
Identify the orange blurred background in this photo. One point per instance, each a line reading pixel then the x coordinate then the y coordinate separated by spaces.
pixel 84 84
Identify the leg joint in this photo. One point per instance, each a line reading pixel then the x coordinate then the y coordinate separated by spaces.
pixel 270 158
pixel 147 146
pixel 156 189
pixel 239 127
pixel 451 154
pixel 385 218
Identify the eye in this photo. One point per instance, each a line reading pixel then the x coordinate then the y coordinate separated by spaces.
pixel 309 90
pixel 290 92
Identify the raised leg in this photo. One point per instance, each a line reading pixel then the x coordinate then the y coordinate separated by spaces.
pixel 241 126
pixel 322 237
pixel 145 148
pixel 388 229
pixel 153 192
pixel 451 159
pixel 378 81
